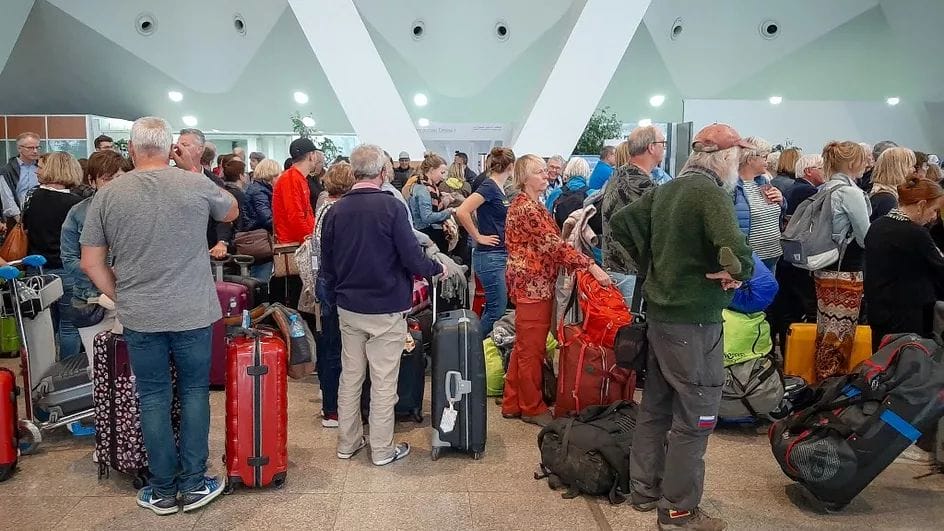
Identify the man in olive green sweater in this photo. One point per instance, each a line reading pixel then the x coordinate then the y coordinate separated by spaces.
pixel 685 239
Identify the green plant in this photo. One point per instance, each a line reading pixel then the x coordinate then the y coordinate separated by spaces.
pixel 325 144
pixel 602 126
pixel 122 146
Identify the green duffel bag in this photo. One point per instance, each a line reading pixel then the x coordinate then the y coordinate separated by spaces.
pixel 9 337
pixel 746 337
pixel 494 369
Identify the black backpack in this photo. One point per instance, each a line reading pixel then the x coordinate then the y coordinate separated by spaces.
pixel 568 202
pixel 589 453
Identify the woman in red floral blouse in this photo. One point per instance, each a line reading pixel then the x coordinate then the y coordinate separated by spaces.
pixel 536 252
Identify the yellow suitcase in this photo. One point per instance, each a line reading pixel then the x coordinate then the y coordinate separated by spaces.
pixel 801 344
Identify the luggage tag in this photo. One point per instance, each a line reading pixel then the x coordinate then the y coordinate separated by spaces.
pixel 449 416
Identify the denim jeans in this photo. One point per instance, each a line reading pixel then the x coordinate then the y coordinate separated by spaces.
pixel 489 267
pixel 174 470
pixel 70 343
pixel 328 361
pixel 262 272
pixel 626 284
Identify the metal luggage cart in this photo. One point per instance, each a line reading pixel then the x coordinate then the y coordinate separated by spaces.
pixel 60 391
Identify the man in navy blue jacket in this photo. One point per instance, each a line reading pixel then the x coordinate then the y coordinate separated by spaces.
pixel 369 257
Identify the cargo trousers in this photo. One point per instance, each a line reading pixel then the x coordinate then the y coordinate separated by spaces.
pixel 371 346
pixel 679 411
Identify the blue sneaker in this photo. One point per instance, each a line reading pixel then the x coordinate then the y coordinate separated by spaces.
pixel 212 488
pixel 161 506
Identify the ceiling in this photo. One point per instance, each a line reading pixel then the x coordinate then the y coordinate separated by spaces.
pixel 63 56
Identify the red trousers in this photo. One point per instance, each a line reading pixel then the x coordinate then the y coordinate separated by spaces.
pixel 523 382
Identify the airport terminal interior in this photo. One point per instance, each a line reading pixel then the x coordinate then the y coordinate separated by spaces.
pixel 448 265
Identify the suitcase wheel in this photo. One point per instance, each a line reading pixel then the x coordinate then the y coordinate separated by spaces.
pixel 435 452
pixel 230 485
pixel 140 480
pixel 278 482
pixel 477 455
pixel 29 436
pixel 417 415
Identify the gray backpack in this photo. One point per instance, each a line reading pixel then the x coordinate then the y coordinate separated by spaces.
pixel 808 239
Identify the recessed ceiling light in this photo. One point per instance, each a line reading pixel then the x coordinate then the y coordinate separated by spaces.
pixel 645 122
pixel 893 101
pixel 189 121
pixel 776 100
pixel 423 122
pixel 308 121
pixel 420 100
pixel 657 100
pixel 300 97
pixel 175 96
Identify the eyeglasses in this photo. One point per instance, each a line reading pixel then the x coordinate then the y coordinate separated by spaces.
pixel 31 148
pixel 661 142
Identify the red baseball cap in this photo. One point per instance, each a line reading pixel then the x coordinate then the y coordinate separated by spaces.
pixel 717 137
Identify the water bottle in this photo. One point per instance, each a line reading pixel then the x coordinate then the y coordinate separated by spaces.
pixel 247 320
pixel 297 330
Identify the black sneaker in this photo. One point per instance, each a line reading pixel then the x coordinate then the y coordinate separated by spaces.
pixel 643 503
pixel 212 488
pixel 160 506
pixel 694 519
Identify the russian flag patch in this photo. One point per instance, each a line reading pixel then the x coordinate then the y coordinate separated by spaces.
pixel 707 422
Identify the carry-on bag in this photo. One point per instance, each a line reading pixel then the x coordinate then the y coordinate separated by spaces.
pixel 411 380
pixel 119 442
pixel 234 298
pixel 9 435
pixel 258 290
pixel 752 388
pixel 458 382
pixel 860 423
pixel 587 374
pixel 589 454
pixel 256 410
pixel 801 350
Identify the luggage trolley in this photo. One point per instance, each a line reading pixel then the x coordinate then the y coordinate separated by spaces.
pixel 60 391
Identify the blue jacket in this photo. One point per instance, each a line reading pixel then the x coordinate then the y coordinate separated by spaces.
pixel 369 254
pixel 421 208
pixel 756 294
pixel 601 174
pixel 575 183
pixel 71 251
pixel 742 208
pixel 258 214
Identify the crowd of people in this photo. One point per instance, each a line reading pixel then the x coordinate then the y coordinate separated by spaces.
pixel 682 244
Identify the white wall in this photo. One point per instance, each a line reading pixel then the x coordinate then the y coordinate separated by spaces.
pixel 810 124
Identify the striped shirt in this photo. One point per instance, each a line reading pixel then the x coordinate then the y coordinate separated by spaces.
pixel 764 238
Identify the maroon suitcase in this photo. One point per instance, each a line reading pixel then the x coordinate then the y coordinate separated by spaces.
pixel 9 443
pixel 234 298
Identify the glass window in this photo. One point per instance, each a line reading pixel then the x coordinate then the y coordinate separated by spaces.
pixel 78 148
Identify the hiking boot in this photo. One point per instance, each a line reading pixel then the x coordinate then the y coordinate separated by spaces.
pixel 694 519
pixel 160 506
pixel 212 488
pixel 402 450
pixel 642 503
pixel 360 446
pixel 541 420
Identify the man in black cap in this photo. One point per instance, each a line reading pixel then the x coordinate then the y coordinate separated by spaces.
pixel 292 217
pixel 402 172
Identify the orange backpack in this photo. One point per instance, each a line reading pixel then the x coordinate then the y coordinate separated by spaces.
pixel 603 308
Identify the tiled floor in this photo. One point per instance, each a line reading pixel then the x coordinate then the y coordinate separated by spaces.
pixel 58 488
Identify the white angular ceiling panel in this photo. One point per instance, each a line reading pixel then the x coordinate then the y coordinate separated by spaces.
pixel 459 54
pixel 721 44
pixel 15 13
pixel 196 43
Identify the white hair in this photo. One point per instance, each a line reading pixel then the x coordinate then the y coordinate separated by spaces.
pixel 761 148
pixel 807 161
pixel 367 161
pixel 577 167
pixel 724 163
pixel 558 158
pixel 151 135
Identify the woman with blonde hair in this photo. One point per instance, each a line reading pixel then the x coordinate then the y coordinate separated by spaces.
pixel 757 204
pixel 906 268
pixel 258 215
pixel 427 203
pixel 839 286
pixel 44 212
pixel 893 167
pixel 785 174
pixel 536 253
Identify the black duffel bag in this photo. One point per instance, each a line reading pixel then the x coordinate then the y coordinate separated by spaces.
pixel 589 453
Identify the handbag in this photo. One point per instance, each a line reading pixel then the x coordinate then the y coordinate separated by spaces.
pixel 255 243
pixel 283 260
pixel 15 245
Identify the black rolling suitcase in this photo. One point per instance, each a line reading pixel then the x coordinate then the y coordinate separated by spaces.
pixel 258 290
pixel 858 424
pixel 458 383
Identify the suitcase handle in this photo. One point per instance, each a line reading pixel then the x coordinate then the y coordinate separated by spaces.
pixel 463 387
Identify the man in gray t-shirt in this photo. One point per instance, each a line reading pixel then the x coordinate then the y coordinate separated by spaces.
pixel 153 222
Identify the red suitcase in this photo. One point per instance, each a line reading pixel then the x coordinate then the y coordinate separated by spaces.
pixel 256 410
pixel 9 442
